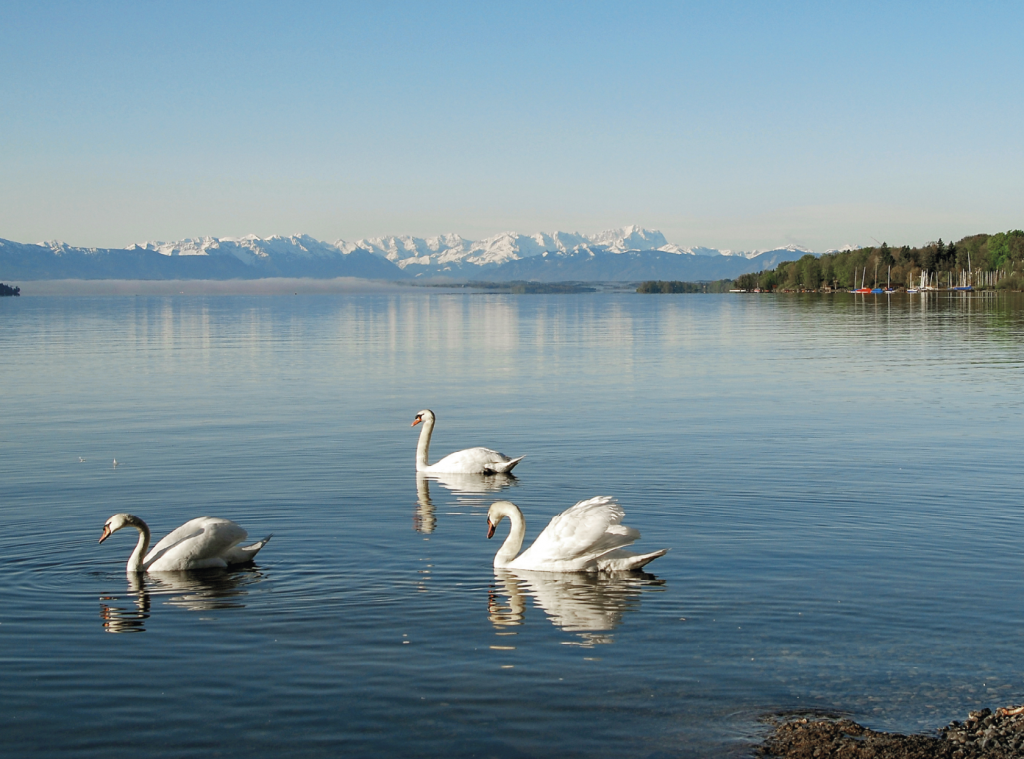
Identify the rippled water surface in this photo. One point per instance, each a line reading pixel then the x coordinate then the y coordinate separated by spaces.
pixel 838 478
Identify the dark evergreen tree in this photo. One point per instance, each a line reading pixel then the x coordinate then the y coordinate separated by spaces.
pixel 885 255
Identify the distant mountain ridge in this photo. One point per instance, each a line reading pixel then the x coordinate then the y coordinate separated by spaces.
pixel 445 250
pixel 625 254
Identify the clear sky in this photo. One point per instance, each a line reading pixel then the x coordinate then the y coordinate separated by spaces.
pixel 726 124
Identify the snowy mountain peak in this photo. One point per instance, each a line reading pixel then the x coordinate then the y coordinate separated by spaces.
pixel 630 238
pixel 57 246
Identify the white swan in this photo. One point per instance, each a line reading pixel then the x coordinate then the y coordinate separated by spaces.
pixel 469 461
pixel 201 543
pixel 584 538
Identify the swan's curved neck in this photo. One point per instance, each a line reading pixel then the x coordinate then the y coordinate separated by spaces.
pixel 423 447
pixel 135 560
pixel 517 531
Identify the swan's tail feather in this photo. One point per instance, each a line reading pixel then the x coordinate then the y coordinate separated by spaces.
pixel 504 467
pixel 618 561
pixel 258 545
pixel 244 554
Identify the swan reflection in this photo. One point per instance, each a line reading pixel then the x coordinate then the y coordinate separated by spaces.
pixel 206 590
pixel 469 489
pixel 423 520
pixel 475 484
pixel 582 603
pixel 131 613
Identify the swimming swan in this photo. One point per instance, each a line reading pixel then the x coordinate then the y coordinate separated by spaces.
pixel 469 461
pixel 201 543
pixel 584 538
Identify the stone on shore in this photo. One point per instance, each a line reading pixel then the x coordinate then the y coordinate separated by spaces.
pixel 982 735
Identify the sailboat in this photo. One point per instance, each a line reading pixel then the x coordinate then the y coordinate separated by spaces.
pixel 861 289
pixel 876 289
pixel 965 283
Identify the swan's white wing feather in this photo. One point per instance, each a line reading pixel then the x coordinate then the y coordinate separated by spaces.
pixel 576 538
pixel 198 544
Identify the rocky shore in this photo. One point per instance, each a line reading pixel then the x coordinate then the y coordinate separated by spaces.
pixel 982 734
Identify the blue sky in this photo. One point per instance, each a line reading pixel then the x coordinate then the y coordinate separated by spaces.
pixel 731 125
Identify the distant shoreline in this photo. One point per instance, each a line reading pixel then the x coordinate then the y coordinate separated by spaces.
pixel 269 286
pixel 355 285
pixel 303 286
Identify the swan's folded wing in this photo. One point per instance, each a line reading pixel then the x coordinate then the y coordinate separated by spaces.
pixel 581 533
pixel 198 540
pixel 470 461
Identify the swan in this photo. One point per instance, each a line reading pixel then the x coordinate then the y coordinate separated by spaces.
pixel 586 537
pixel 201 543
pixel 469 461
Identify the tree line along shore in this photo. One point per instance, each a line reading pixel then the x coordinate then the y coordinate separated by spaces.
pixel 8 290
pixel 981 261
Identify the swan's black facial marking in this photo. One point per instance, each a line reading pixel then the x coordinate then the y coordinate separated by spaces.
pixel 417 420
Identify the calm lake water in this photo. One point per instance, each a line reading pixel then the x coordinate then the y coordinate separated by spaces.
pixel 838 478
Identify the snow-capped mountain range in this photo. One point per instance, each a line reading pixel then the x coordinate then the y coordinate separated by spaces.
pixel 624 254
pixel 510 246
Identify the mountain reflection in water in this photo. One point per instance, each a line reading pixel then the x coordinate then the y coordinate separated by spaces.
pixel 206 590
pixel 576 602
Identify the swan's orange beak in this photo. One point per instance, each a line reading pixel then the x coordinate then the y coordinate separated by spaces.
pixel 416 421
pixel 490 529
pixel 106 533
